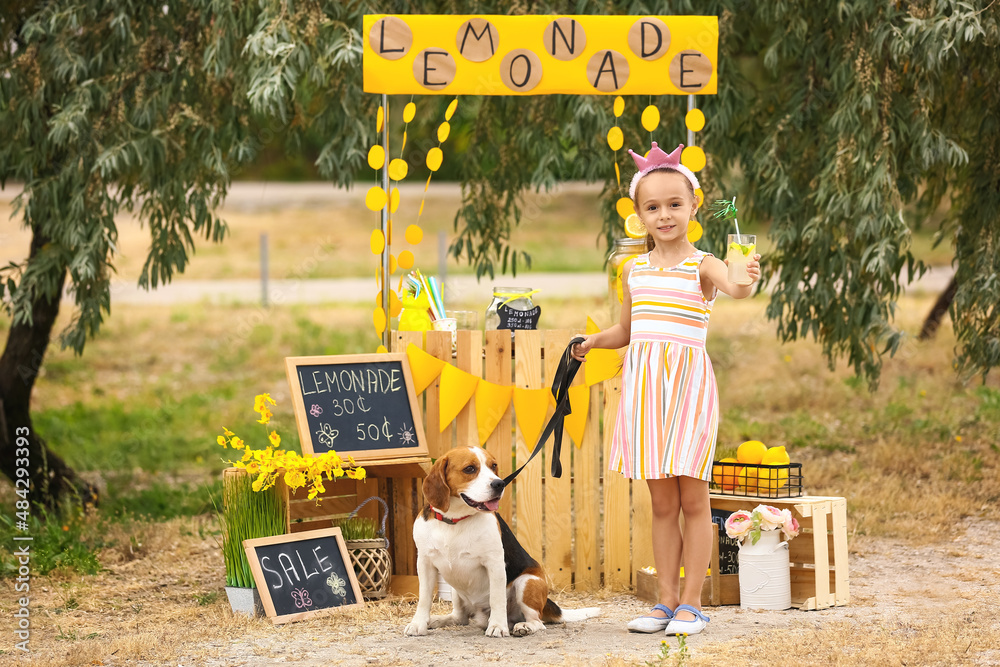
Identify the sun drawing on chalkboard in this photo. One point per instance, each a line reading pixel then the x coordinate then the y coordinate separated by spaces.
pixel 407 435
pixel 336 585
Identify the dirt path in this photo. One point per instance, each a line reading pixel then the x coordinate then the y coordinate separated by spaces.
pixel 934 604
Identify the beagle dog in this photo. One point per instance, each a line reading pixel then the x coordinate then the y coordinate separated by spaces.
pixel 496 584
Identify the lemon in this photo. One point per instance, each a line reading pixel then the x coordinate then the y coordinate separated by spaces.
pixel 776 456
pixel 769 480
pixel 751 451
pixel 725 476
pixel 634 227
pixel 747 479
pixel 747 249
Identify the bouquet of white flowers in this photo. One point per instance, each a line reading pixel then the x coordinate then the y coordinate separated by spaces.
pixel 764 517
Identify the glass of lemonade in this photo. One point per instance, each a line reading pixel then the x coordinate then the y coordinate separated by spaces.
pixel 739 252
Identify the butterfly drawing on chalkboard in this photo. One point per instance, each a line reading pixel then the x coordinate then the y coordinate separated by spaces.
pixel 337 585
pixel 327 435
pixel 407 435
pixel 302 599
pixel 315 410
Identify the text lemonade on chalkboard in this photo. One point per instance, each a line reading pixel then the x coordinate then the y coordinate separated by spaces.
pixel 511 318
pixel 302 574
pixel 355 404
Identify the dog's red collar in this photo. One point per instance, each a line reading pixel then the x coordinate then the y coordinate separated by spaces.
pixel 441 517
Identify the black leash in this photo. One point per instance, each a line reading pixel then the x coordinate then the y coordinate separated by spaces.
pixel 565 373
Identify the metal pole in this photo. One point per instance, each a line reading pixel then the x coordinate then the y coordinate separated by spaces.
pixel 386 336
pixel 691 106
pixel 263 270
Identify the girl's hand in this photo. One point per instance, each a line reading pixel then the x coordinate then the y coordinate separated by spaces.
pixel 580 350
pixel 753 269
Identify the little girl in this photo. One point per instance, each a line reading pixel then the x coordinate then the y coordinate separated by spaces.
pixel 668 418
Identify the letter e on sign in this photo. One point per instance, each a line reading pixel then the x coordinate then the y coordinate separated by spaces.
pixel 521 70
pixel 607 70
pixel 477 40
pixel 564 39
pixel 434 68
pixel 390 38
pixel 649 38
pixel 690 70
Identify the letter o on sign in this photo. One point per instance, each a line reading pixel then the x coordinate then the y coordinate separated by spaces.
pixel 520 70
pixel 690 70
pixel 434 68
pixel 390 38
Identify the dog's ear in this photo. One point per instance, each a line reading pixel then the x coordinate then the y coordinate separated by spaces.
pixel 436 489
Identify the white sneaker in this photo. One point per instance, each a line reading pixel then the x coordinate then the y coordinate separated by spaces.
pixel 651 623
pixel 678 627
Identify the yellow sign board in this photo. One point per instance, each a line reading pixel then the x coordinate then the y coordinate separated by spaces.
pixel 540 55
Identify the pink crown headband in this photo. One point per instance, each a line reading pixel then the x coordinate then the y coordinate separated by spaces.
pixel 656 160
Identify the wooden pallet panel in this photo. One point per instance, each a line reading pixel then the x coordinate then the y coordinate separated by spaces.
pixel 558 520
pixel 497 369
pixel 587 461
pixel 469 358
pixel 617 504
pixel 528 485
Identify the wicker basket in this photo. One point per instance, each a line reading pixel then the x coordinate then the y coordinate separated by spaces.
pixel 371 560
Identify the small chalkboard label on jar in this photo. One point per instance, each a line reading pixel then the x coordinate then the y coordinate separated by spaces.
pixel 518 319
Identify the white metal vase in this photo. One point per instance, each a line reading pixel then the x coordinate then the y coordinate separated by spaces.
pixel 765 579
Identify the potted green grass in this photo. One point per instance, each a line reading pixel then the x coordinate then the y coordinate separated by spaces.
pixel 246 514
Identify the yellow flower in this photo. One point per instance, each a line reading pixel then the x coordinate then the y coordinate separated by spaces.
pixel 295 479
pixel 265 416
pixel 236 443
pixel 227 432
pixel 260 402
pixel 275 438
pixel 253 467
pixel 221 440
pixel 338 472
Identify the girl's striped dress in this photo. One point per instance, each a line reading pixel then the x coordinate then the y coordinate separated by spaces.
pixel 669 413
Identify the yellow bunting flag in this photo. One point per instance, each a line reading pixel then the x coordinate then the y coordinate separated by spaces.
pixel 530 409
pixel 424 367
pixel 601 365
pixel 457 387
pixel 576 421
pixel 492 401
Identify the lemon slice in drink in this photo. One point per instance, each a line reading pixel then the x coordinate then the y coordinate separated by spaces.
pixel 634 227
pixel 747 250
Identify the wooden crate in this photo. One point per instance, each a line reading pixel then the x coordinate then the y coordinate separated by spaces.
pixel 818 556
pixel 717 590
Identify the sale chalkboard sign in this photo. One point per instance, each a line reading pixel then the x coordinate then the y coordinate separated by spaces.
pixel 358 404
pixel 303 575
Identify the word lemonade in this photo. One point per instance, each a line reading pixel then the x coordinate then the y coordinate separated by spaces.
pixel 348 392
pixel 540 55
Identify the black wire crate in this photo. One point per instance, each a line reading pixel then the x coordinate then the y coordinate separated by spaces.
pixel 757 480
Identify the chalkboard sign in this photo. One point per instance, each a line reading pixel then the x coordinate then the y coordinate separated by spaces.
pixel 358 404
pixel 518 319
pixel 303 575
pixel 729 548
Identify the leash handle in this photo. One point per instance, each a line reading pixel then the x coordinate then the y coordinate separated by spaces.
pixel 385 514
pixel 564 376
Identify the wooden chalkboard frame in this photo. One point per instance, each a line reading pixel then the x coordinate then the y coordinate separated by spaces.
pixel 251 546
pixel 302 420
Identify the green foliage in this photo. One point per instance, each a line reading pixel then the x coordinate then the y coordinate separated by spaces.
pixel 358 528
pixel 61 538
pixel 830 119
pixel 112 107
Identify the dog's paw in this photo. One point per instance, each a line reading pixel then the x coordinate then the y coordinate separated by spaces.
pixel 441 621
pixel 415 629
pixel 496 630
pixel 527 628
